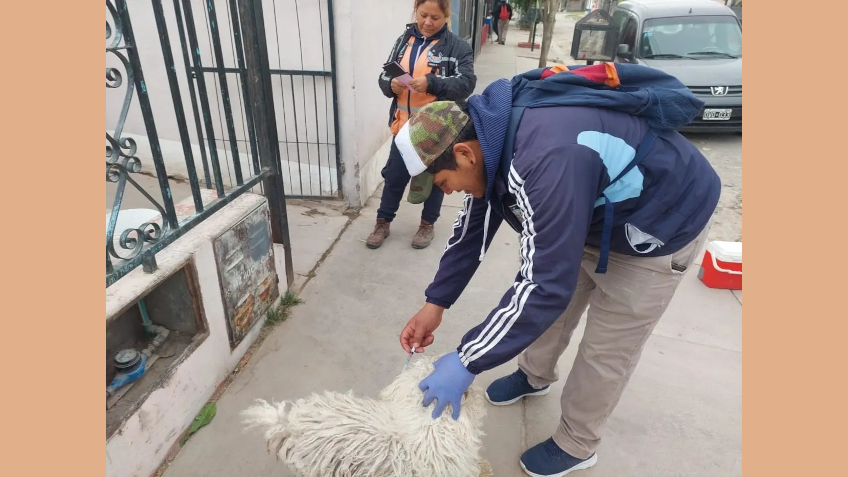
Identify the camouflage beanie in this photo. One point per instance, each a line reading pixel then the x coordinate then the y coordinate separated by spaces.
pixel 424 138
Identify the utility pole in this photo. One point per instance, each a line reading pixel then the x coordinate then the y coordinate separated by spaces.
pixel 533 27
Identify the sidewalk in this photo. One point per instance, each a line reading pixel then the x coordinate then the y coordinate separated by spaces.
pixel 681 414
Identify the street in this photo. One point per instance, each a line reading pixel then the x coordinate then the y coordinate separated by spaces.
pixel 724 152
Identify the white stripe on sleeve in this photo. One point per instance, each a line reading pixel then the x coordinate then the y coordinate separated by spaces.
pixel 503 320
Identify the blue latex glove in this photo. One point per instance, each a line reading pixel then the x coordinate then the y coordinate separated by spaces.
pixel 446 384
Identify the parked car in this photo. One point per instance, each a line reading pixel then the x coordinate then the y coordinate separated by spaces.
pixel 697 41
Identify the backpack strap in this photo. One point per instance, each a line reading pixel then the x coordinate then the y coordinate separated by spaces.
pixel 606 235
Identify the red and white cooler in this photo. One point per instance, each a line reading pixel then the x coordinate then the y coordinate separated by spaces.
pixel 722 265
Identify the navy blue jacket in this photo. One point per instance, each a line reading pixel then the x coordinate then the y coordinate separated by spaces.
pixel 551 190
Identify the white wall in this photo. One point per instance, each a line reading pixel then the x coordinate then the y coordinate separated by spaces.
pixel 365 33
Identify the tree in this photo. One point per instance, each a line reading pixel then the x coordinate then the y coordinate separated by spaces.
pixel 522 8
pixel 549 11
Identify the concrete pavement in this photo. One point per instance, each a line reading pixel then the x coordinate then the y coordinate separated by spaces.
pixel 681 414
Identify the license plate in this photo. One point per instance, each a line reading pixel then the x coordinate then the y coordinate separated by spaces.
pixel 717 114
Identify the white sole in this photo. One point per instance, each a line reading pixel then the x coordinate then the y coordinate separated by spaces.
pixel 507 403
pixel 581 466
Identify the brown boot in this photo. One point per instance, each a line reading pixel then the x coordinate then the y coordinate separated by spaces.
pixel 424 235
pixel 381 232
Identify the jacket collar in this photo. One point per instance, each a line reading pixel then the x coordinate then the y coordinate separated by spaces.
pixel 412 29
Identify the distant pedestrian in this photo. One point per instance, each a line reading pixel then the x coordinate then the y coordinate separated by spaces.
pixel 441 65
pixel 502 14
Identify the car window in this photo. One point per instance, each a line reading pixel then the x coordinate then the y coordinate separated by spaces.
pixel 628 32
pixel 697 37
pixel 619 19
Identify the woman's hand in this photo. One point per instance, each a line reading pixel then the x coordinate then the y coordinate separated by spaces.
pixel 418 332
pixel 419 84
pixel 397 87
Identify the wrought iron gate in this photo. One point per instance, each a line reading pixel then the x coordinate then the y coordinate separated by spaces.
pixel 300 54
pixel 267 136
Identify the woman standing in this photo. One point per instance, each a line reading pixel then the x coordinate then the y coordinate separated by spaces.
pixel 442 67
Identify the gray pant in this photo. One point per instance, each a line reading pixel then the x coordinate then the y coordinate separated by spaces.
pixel 624 306
pixel 503 26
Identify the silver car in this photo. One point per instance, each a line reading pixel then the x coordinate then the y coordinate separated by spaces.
pixel 697 41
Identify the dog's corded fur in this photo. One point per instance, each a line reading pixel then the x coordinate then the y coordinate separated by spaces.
pixel 341 435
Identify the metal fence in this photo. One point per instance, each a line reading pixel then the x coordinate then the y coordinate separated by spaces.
pixel 300 57
pixel 257 149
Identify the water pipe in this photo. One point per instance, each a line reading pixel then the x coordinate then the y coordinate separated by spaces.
pixel 161 334
pixel 130 363
pixel 158 333
pixel 145 318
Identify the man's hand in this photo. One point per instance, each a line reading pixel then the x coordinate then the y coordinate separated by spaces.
pixel 419 84
pixel 397 87
pixel 446 384
pixel 418 332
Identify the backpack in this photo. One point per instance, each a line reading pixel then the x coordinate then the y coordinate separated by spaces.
pixel 659 98
pixel 504 15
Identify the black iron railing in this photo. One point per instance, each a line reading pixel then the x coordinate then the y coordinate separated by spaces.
pixel 137 245
pixel 303 85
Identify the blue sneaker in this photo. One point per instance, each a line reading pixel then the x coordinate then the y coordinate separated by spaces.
pixel 509 389
pixel 548 460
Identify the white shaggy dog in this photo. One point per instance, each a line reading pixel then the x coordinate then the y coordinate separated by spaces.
pixel 341 435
